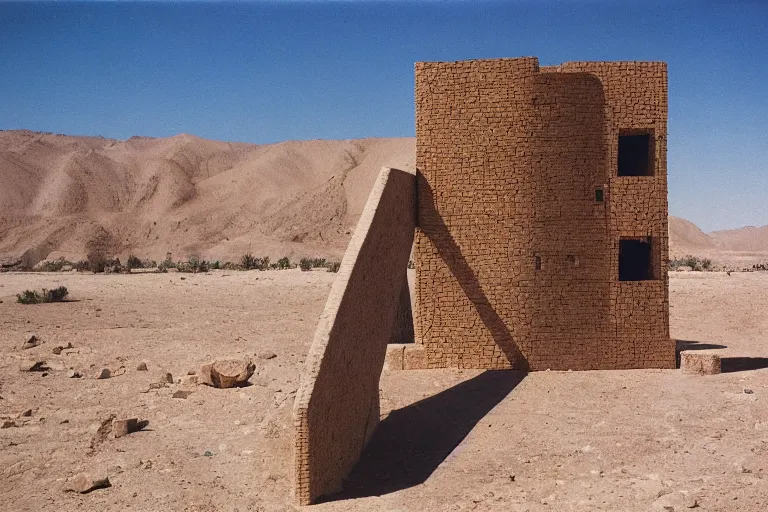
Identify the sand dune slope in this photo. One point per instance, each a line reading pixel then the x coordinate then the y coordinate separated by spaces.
pixel 189 196
pixel 686 238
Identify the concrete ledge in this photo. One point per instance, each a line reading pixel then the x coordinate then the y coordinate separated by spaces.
pixel 406 356
pixel 695 362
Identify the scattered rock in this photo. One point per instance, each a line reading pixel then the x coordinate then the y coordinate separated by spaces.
pixel 102 432
pixel 189 380
pixel 181 394
pixel 205 375
pixel 105 373
pixel 34 366
pixel 58 350
pixel 85 482
pixel 227 373
pixel 73 374
pixel 192 372
pixel 158 385
pixel 267 355
pixel 8 424
pixel 675 501
pixel 748 391
pixel 142 367
pixel 124 427
pixel 30 341
pixel 168 378
pixel 26 414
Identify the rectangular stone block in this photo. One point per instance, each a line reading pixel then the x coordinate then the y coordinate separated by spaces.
pixel 700 363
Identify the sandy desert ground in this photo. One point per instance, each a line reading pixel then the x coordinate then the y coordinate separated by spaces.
pixel 450 440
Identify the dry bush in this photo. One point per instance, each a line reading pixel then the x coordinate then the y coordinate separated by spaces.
pixel 33 297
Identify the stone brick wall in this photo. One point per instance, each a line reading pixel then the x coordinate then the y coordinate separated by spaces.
pixel 516 260
pixel 337 404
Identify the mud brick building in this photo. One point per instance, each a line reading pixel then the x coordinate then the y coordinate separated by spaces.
pixel 542 215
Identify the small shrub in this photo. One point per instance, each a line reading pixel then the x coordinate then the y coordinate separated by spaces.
pixel 283 263
pixel 193 266
pixel 411 264
pixel 305 264
pixel 133 262
pixel 97 262
pixel 81 266
pixel 693 262
pixel 249 262
pixel 334 267
pixel 318 262
pixel 274 266
pixel 55 295
pixel 33 297
pixel 114 266
pixel 166 264
pixel 216 265
pixel 29 297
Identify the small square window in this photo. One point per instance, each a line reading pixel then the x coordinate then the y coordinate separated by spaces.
pixel 636 153
pixel 635 259
pixel 599 195
pixel 537 263
pixel 572 260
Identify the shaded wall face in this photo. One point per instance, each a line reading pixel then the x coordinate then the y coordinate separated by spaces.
pixel 514 258
pixel 636 102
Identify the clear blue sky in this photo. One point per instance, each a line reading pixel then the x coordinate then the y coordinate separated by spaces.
pixel 270 71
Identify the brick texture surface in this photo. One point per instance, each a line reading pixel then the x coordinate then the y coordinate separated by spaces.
pixel 337 404
pixel 517 259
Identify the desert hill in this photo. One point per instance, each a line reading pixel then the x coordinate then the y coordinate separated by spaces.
pixel 65 195
pixel 742 246
pixel 749 238
pixel 685 237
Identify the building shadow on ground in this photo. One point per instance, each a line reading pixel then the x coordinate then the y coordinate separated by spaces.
pixel 742 364
pixel 697 345
pixel 410 443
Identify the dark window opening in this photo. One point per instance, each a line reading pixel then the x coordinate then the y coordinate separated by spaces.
pixel 635 260
pixel 599 194
pixel 636 154
pixel 572 260
pixel 537 262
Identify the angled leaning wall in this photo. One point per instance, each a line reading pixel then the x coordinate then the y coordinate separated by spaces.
pixel 337 405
